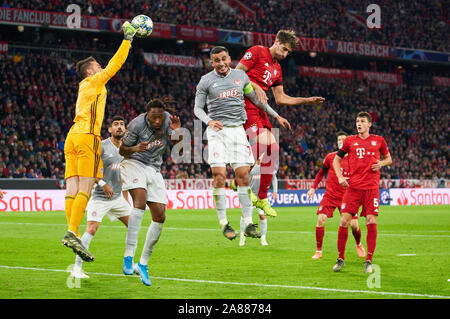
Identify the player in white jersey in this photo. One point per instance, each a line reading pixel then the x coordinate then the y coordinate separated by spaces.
pixel 107 197
pixel 222 91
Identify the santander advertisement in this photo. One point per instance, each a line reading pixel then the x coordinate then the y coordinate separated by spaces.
pixel 420 196
pixel 53 200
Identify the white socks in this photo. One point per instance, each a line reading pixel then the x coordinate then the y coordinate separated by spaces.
pixel 246 203
pixel 263 227
pixel 134 225
pixel 153 234
pixel 220 200
pixel 86 241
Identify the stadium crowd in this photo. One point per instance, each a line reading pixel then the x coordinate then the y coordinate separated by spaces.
pixel 38 93
pixel 417 24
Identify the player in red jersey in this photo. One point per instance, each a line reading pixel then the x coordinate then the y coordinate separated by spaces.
pixel 263 69
pixel 332 199
pixel 367 154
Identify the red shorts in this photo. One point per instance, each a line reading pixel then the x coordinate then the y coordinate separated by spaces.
pixel 367 198
pixel 329 204
pixel 256 118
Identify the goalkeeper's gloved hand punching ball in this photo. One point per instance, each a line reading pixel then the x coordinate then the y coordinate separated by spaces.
pixel 128 31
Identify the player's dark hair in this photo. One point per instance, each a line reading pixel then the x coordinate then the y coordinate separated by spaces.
pixel 162 103
pixel 115 118
pixel 217 50
pixel 366 115
pixel 82 66
pixel 288 37
pixel 340 133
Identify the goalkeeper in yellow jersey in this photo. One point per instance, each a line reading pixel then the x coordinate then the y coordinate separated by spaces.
pixel 82 148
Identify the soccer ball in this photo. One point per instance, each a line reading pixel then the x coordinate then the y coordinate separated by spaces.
pixel 143 25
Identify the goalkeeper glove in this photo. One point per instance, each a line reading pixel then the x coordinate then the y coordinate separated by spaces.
pixel 128 31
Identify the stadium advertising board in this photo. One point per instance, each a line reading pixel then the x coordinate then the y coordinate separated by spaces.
pixel 420 196
pixel 46 18
pixel 293 198
pixel 53 200
pixel 19 200
pixel 194 33
pixel 365 49
pixel 173 60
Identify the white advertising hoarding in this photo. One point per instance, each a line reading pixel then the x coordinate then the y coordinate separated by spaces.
pixel 420 196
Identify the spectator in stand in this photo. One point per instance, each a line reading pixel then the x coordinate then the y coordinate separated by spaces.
pixel 419 24
pixel 37 98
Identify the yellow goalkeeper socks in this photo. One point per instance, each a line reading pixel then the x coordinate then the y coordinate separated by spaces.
pixel 68 207
pixel 78 208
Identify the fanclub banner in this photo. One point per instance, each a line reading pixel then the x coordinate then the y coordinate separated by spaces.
pixel 441 81
pixel 47 19
pixel 379 77
pixel 420 196
pixel 172 60
pixel 3 47
pixel 326 72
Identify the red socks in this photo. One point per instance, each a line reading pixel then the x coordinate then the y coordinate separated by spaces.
pixel 357 235
pixel 342 241
pixel 320 232
pixel 371 240
pixel 268 164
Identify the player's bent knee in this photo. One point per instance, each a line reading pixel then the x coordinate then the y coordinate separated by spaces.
pixel 371 219
pixel 321 220
pixel 92 227
pixel 219 180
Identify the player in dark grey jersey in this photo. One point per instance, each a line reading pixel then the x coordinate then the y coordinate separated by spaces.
pixel 222 91
pixel 107 197
pixel 147 137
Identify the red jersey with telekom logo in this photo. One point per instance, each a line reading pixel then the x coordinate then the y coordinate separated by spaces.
pixel 332 187
pixel 362 154
pixel 262 68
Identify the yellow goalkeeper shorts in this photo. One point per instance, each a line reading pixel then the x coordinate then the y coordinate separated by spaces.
pixel 83 155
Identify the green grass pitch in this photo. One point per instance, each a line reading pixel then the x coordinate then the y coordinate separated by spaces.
pixel 194 260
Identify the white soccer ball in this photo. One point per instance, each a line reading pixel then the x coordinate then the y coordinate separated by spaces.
pixel 143 25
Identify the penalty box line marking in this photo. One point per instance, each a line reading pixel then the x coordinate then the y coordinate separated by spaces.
pixel 209 229
pixel 244 284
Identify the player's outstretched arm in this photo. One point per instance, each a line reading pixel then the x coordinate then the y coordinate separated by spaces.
pixel 120 56
pixel 282 98
pixel 251 95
